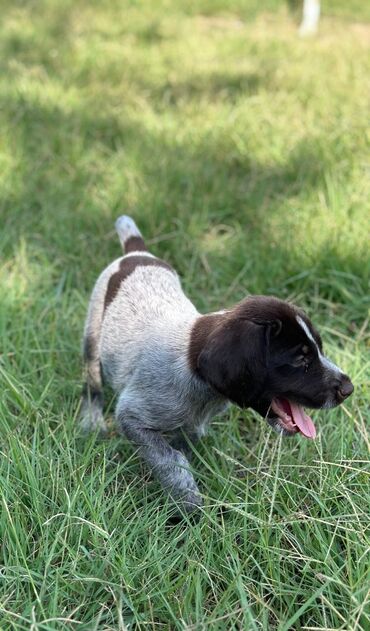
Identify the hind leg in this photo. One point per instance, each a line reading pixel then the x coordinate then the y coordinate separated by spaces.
pixel 91 415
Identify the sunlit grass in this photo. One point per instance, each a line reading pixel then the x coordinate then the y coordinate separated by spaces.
pixel 243 154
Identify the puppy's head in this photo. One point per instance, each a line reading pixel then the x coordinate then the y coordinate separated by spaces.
pixel 266 354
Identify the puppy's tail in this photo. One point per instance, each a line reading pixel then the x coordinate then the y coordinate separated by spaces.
pixel 129 235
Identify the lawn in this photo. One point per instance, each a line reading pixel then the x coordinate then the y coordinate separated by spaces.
pixel 243 154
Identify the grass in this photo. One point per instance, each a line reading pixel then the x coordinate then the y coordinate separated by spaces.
pixel 243 154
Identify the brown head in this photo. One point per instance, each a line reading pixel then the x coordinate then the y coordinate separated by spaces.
pixel 266 354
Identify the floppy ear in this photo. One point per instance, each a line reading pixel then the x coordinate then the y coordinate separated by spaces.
pixel 272 327
pixel 233 360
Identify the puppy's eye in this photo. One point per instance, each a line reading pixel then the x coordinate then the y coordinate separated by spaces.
pixel 302 359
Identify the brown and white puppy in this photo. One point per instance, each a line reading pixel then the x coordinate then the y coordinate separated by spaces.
pixel 173 368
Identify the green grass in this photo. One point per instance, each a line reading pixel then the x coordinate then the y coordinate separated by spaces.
pixel 243 154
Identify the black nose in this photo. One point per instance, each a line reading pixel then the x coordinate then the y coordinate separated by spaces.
pixel 345 387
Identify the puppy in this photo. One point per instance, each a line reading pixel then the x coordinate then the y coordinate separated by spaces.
pixel 173 369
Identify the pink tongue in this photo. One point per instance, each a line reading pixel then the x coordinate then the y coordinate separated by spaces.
pixel 302 420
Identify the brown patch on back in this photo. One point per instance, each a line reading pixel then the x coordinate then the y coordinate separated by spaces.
pixel 203 327
pixel 128 266
pixel 135 244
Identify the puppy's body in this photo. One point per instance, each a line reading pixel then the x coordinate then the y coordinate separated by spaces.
pixel 143 349
pixel 173 369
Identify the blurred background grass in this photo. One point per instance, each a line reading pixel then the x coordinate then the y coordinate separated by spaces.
pixel 243 154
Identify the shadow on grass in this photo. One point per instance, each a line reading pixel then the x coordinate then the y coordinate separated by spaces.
pixel 78 168
pixel 189 187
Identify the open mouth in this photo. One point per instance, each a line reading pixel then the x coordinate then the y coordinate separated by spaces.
pixel 292 418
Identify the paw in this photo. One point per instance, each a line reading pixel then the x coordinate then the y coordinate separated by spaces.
pixel 191 502
pixel 185 491
pixel 92 420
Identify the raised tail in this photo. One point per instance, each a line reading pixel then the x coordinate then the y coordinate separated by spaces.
pixel 129 235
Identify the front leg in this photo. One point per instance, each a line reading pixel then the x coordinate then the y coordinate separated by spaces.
pixel 169 465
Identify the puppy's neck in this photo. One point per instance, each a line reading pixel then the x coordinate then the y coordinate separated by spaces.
pixel 202 328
